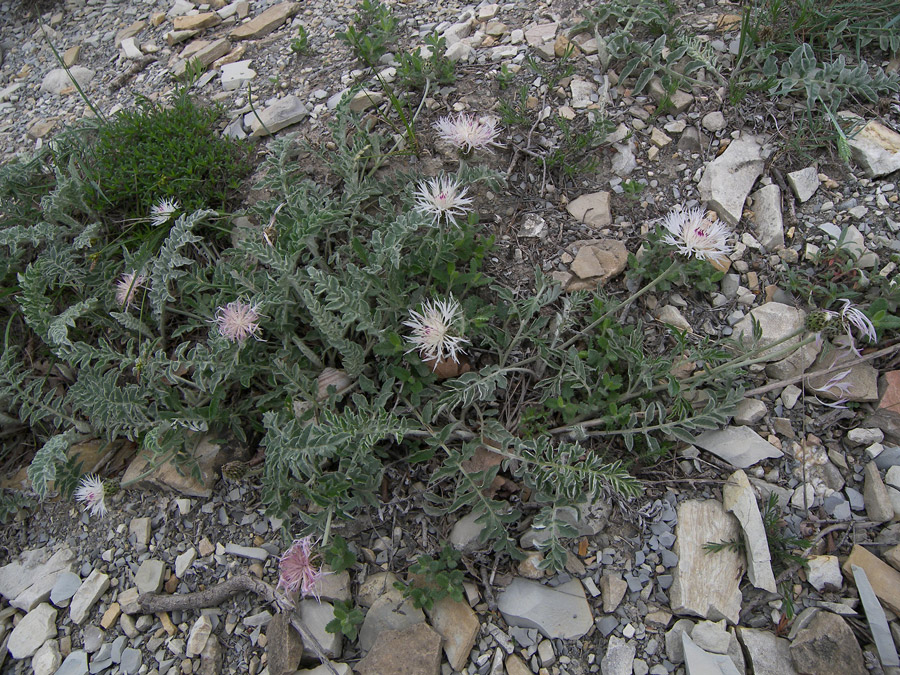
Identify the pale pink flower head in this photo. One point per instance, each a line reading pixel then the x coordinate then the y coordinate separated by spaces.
pixel 696 236
pixel 467 132
pixel 162 211
pixel 297 569
pixel 127 286
pixel 90 491
pixel 853 317
pixel 433 331
pixel 442 197
pixel 237 321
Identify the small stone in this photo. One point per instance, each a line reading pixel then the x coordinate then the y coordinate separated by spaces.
pixel 110 616
pixel 619 657
pixel 266 22
pixel 196 21
pixel 236 75
pixel 283 113
pixel 139 529
pixel 713 121
pixel 804 183
pixel 150 576
pixel 728 179
pixel 130 49
pixel 674 644
pixel 199 634
pixel 749 411
pixel 876 148
pixel 560 612
pixel 885 580
pixel 76 663
pixel 768 654
pixel 613 587
pixel 251 552
pixel 284 646
pixel 767 217
pixel 739 446
pixel 592 209
pixel 87 595
pixel 458 625
pixel 57 80
pixel 601 260
pixel 878 501
pixel 131 661
pixel 46 659
pixel 35 628
pixel 184 562
pixel 865 437
pixel 414 650
pixel 827 646
pixel 824 571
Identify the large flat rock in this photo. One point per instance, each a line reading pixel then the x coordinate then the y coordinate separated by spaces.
pixel 768 654
pixel 706 584
pixel 415 650
pixel 266 22
pixel 739 446
pixel 728 179
pixel 883 578
pixel 777 322
pixel 561 612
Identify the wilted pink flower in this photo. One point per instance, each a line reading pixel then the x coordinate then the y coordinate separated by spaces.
pixel 695 236
pixel 90 491
pixel 468 133
pixel 297 571
pixel 127 286
pixel 442 198
pixel 853 316
pixel 162 211
pixel 237 321
pixel 432 330
pixel 836 383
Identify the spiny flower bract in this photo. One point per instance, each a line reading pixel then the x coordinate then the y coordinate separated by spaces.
pixel 162 211
pixel 695 236
pixel 90 491
pixel 237 321
pixel 467 132
pixel 432 330
pixel 828 324
pixel 127 286
pixel 297 571
pixel 442 197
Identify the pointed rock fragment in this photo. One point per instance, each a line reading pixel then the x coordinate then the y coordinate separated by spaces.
pixel 728 179
pixel 738 498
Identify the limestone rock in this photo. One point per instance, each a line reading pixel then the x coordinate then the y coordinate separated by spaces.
pixel 739 499
pixel 749 411
pixel 679 101
pixel 46 659
pixel 236 75
pixel 150 576
pixel 698 661
pixel 376 585
pixel 669 315
pixel 804 183
pixel 333 586
pixel 824 571
pixel 859 384
pixel 767 217
pixel 728 179
pixel 739 446
pixel 57 80
pixel 876 148
pixel 458 625
pixel 204 56
pixel 76 663
pixel 878 501
pixel 776 321
pixel 768 654
pixel 600 259
pixel 592 209
pixel 613 587
pixel 619 657
pixel 209 460
pixel 35 628
pixel 283 113
pixel 827 646
pixel 388 613
pixel 706 585
pixel 86 596
pixel 561 612
pixel 799 361
pixel 316 615
pixel 884 579
pixel 196 21
pixel 198 636
pixel 184 561
pixel 29 581
pixel 266 22
pixel 414 650
pixel 284 646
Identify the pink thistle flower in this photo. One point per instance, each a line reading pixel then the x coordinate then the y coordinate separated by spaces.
pixel 127 286
pixel 237 321
pixel 695 236
pixel 90 491
pixel 432 331
pixel 297 569
pixel 442 198
pixel 853 316
pixel 162 211
pixel 467 132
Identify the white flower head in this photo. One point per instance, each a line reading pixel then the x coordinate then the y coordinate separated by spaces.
pixel 853 316
pixel 467 132
pixel 694 235
pixel 162 211
pixel 432 331
pixel 237 321
pixel 127 286
pixel 90 491
pixel 442 197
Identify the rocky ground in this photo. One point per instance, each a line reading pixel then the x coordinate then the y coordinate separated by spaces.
pixel 640 594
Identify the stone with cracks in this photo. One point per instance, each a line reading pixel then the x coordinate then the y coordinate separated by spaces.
pixel 35 628
pixel 768 654
pixel 698 661
pixel 266 22
pixel 883 578
pixel 24 582
pixel 860 384
pixel 562 612
pixel 600 260
pixel 415 650
pixel 876 148
pixel 827 646
pixel 283 113
pixel 804 182
pixel 706 585
pixel 878 502
pixel 739 446
pixel 198 635
pixel 619 657
pixel 316 615
pixel 777 321
pixel 738 498
pixel 711 636
pixel 458 625
pixel 209 460
pixel 794 365
pixel 824 571
pixel 46 659
pixel 767 218
pixel 87 596
pixel 387 613
pixel 57 80
pixel 728 179
pixel 205 56
pixel 284 647
pixel 592 209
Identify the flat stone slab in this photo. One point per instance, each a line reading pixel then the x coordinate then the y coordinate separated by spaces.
pixel 283 113
pixel 31 566
pixel 728 179
pixel 706 584
pixel 739 446
pixel 592 209
pixel 769 655
pixel 266 22
pixel 561 612
pixel 804 182
pixel 388 612
pixel 876 148
pixel 738 498
pixel 878 624
pixel 701 662
pixel 86 596
pixel 883 578
pixel 458 625
pixel 827 646
pixel 414 650
pixel 860 384
pixel 150 576
pixel 35 628
pixel 776 321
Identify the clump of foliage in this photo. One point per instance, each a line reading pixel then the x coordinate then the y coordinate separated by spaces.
pixel 434 580
pixel 372 32
pixel 347 619
pixel 415 69
pixel 162 151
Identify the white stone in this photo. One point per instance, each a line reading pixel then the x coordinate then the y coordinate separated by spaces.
pixel 769 655
pixel 767 217
pixel 86 596
pixel 669 315
pixel 46 659
pixel 777 321
pixel 57 80
pixel 184 561
pixel 728 179
pixel 862 436
pixel 235 75
pixel 804 182
pixel 738 498
pixel 581 93
pixel 560 612
pixel 199 634
pixel 316 615
pixel 35 628
pixel 130 48
pixel 739 446
pixel 698 661
pixel 713 121
pixel 619 657
pixel 876 148
pixel 824 571
pixel 283 113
